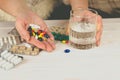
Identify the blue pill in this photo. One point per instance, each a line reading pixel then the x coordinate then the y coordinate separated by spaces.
pixel 47 36
pixel 29 29
pixel 40 39
pixel 66 50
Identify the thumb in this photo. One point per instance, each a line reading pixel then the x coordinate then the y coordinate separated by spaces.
pixel 21 28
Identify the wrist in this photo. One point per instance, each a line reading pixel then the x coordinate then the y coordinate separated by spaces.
pixel 27 14
pixel 23 12
pixel 75 4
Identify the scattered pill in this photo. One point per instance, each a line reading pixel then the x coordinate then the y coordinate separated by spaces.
pixel 66 50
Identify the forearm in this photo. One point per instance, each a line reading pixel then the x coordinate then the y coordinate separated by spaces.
pixel 79 4
pixel 14 7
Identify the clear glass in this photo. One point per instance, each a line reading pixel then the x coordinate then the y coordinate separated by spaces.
pixel 82 33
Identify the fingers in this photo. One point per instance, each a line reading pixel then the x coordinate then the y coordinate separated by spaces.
pixel 50 34
pixel 99 30
pixel 37 43
pixel 68 30
pixel 45 45
pixel 48 46
pixel 51 42
pixel 99 26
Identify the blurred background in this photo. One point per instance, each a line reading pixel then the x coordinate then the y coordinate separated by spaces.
pixel 57 9
pixel 105 8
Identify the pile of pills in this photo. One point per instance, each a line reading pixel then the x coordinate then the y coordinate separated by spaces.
pixel 35 31
pixel 10 39
pixel 17 49
pixel 8 60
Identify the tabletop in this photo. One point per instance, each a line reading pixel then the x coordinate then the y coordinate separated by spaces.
pixel 99 63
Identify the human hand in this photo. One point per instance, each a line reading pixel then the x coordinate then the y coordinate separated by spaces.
pixel 76 16
pixel 22 24
pixel 99 26
pixel 99 30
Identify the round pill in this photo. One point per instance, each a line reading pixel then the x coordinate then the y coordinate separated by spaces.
pixel 63 41
pixel 66 50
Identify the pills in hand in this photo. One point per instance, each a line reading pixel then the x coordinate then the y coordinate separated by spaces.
pixel 34 30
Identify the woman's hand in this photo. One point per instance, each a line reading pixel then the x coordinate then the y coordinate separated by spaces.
pixel 22 24
pixel 91 17
pixel 98 21
pixel 99 30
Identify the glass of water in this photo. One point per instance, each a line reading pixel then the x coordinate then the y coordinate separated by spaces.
pixel 82 31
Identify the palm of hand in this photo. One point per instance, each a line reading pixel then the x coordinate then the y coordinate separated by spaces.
pixel 22 24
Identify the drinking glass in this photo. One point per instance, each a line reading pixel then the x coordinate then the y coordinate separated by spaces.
pixel 82 28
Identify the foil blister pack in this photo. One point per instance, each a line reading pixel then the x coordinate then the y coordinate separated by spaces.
pixel 7 59
pixel 21 49
pixel 10 39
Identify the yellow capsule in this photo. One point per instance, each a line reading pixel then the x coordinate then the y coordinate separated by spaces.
pixel 40 36
pixel 63 41
pixel 33 34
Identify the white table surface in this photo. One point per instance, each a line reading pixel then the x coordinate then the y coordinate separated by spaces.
pixel 100 63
